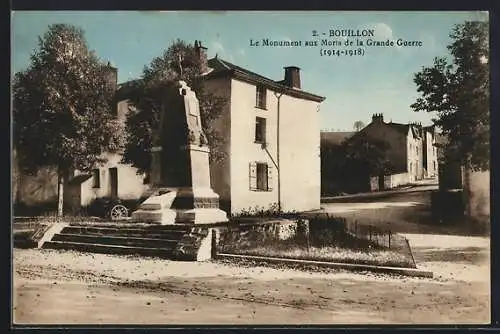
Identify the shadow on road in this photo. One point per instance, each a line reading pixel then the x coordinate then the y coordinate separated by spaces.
pixel 404 213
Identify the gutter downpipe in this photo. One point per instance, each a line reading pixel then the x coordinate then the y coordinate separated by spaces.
pixel 278 96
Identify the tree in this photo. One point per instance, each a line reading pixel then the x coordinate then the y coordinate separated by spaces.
pixel 458 90
pixel 365 156
pixel 61 107
pixel 358 125
pixel 179 62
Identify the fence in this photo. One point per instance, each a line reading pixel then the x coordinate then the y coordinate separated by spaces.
pixel 304 234
pixel 380 237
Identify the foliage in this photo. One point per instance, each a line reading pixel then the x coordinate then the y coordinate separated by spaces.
pixel 272 211
pixel 358 125
pixel 366 154
pixel 61 105
pixel 356 158
pixel 179 62
pixel 331 254
pixel 458 91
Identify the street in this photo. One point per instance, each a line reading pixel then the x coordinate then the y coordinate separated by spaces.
pixel 58 287
pixel 74 288
pixel 407 211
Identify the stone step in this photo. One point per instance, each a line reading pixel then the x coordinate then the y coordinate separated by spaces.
pixel 140 226
pixel 130 232
pixel 110 249
pixel 116 240
pixel 23 241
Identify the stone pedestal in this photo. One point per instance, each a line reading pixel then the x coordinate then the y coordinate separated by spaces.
pixel 180 171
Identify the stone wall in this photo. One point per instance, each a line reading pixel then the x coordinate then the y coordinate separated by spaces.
pixel 390 181
pixel 243 236
pixel 316 232
pixel 397 180
pixel 478 190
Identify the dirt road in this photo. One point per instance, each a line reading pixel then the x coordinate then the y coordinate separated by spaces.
pixel 52 287
pixel 406 212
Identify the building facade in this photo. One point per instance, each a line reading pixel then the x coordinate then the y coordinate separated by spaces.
pixel 272 141
pixel 430 150
pixel 411 151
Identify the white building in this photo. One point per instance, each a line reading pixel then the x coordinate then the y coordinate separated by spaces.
pixel 430 158
pixel 272 140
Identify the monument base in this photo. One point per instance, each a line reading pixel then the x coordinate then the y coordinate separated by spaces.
pixel 181 206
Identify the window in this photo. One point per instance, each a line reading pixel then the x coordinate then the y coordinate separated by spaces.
pixel 260 101
pixel 96 177
pixel 260 130
pixel 260 175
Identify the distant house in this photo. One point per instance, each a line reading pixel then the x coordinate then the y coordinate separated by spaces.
pixel 411 150
pixel 335 138
pixel 430 151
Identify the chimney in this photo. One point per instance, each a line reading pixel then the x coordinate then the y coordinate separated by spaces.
pixel 111 74
pixel 292 77
pixel 378 118
pixel 201 52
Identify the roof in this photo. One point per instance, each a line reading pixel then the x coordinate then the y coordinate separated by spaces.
pixel 335 138
pixel 221 68
pixel 417 131
pixel 80 178
pixel 403 128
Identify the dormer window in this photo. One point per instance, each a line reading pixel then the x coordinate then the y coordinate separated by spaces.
pixel 260 98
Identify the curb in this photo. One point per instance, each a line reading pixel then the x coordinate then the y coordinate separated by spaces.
pixel 413 272
pixel 350 198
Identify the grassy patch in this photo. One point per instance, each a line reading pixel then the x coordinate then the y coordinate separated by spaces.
pixel 331 254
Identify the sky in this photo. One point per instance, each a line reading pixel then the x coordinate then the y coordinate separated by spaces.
pixel 380 80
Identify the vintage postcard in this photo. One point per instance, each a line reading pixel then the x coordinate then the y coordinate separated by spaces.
pixel 250 168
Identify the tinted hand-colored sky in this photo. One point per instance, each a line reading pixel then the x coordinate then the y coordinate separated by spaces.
pixel 355 87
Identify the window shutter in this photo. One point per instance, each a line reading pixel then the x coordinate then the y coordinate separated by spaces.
pixel 252 175
pixel 269 178
pixel 264 131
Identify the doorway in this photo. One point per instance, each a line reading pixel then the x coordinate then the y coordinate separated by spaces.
pixel 113 182
pixel 381 182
